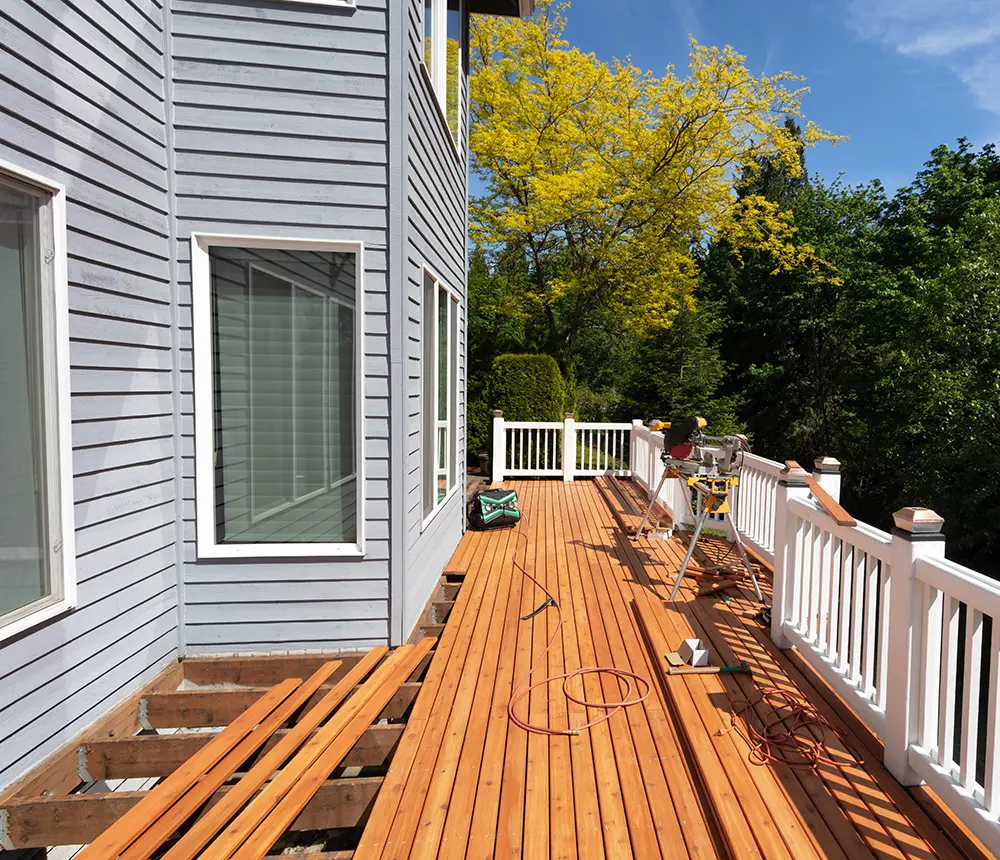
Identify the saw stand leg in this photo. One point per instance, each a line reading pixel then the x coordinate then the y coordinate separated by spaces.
pixel 699 525
pixel 649 507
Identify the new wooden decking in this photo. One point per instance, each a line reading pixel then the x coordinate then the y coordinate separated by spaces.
pixel 664 779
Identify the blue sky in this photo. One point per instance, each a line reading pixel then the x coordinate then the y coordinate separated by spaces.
pixel 898 76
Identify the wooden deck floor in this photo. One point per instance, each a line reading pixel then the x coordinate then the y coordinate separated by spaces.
pixel 664 779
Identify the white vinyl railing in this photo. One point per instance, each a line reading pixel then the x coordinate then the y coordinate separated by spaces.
pixel 602 449
pixel 530 449
pixel 910 640
pixel 905 637
pixel 566 449
pixel 834 604
pixel 955 742
pixel 754 503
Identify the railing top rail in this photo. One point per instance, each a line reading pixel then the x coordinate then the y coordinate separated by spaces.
pixel 871 540
pixel 533 425
pixel 971 587
pixel 600 425
pixel 762 464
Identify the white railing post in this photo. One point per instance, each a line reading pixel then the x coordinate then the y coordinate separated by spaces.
pixel 917 535
pixel 569 447
pixel 826 471
pixel 638 471
pixel 793 484
pixel 499 447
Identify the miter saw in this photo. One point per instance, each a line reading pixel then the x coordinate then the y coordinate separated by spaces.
pixel 710 467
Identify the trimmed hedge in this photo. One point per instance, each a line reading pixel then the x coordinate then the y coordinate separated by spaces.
pixel 528 388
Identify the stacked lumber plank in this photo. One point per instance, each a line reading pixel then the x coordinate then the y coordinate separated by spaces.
pixel 295 764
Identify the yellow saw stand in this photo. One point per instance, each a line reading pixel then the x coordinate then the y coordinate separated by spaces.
pixel 713 494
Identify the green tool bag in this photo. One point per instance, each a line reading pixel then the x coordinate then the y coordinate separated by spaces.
pixel 493 509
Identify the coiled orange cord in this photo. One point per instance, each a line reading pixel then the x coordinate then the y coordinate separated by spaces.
pixel 631 680
pixel 784 734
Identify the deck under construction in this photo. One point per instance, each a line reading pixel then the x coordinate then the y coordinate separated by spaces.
pixel 425 762
pixel 668 778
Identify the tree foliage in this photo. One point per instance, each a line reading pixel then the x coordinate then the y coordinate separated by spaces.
pixel 606 178
pixel 893 365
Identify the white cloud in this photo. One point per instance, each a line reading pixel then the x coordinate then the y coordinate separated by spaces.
pixel 964 35
pixel 687 12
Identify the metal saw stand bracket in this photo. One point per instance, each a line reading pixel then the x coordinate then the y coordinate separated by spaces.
pixel 713 493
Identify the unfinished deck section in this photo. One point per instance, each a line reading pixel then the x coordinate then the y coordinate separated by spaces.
pixel 664 779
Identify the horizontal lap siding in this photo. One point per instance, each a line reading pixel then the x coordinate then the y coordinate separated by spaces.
pixel 436 237
pixel 82 103
pixel 281 129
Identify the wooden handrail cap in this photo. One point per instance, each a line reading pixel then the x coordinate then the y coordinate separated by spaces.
pixel 794 472
pixel 918 520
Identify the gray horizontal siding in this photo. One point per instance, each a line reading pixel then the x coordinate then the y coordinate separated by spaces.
pixel 435 227
pixel 82 102
pixel 281 129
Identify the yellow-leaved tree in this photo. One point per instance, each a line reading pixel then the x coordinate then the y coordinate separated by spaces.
pixel 608 180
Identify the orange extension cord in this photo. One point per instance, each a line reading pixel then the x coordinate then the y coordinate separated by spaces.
pixel 631 680
pixel 784 732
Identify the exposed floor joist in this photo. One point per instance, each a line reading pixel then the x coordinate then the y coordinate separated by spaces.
pixel 153 733
pixel 79 818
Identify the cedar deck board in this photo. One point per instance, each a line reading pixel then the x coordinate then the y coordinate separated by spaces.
pixel 626 788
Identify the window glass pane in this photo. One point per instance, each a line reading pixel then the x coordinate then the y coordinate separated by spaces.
pixel 429 34
pixel 454 81
pixel 284 389
pixel 24 574
pixel 442 354
pixel 429 384
pixel 342 442
pixel 453 385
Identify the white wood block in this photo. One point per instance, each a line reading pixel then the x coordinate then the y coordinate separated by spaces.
pixel 693 653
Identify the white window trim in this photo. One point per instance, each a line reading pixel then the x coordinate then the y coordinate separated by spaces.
pixel 343 4
pixel 453 385
pixel 204 414
pixel 438 74
pixel 59 428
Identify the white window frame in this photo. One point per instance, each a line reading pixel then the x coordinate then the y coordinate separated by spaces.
pixel 204 412
pixel 343 4
pixel 438 73
pixel 54 305
pixel 454 308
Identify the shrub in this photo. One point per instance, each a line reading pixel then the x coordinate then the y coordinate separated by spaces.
pixel 479 427
pixel 528 388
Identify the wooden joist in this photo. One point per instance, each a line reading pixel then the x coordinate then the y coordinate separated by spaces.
pixel 78 818
pixel 123 832
pixel 61 774
pixel 192 709
pixel 311 780
pixel 205 830
pixel 160 755
pixel 167 823
pixel 262 671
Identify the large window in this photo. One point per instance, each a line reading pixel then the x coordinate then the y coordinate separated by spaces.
pixel 278 388
pixel 444 57
pixel 440 392
pixel 37 576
